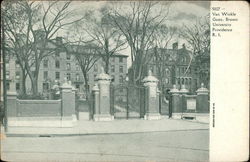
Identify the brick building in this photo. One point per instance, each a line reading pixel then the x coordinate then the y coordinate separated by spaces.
pixel 176 66
pixel 60 65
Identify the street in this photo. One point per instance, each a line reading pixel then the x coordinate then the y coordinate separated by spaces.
pixel 182 145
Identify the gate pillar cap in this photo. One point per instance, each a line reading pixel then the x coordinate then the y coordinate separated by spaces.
pixel 11 93
pixel 66 85
pixel 150 78
pixel 183 89
pixel 202 90
pixel 174 90
pixel 95 88
pixel 103 76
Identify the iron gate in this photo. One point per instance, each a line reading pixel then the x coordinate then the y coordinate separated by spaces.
pixel 127 101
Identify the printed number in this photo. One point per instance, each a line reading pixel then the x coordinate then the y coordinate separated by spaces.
pixel 215 8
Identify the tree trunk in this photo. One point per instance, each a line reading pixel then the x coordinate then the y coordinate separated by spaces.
pixel 86 83
pixel 107 66
pixel 23 83
pixel 34 86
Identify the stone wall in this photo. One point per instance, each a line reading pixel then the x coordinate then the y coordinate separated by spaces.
pixel 43 113
pixel 32 108
pixel 190 106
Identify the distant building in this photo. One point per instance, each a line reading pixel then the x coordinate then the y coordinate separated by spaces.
pixel 60 65
pixel 175 66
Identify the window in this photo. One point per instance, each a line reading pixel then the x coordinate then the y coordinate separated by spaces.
pixel 113 68
pixel 94 76
pixel 95 68
pixel 57 53
pixel 167 80
pixel 57 64
pixel 77 77
pixel 17 64
pixel 7 65
pixel 77 86
pixel 179 82
pixel 151 68
pixel 17 86
pixel 182 81
pixel 113 78
pixel 8 85
pixel 186 81
pixel 167 72
pixel 121 69
pixel 45 75
pixel 77 66
pixel 68 56
pixel 18 75
pixel 68 76
pixel 7 75
pixel 57 75
pixel 120 59
pixel 45 63
pixel 184 59
pixel 121 79
pixel 33 73
pixel 113 59
pixel 45 86
pixel 68 66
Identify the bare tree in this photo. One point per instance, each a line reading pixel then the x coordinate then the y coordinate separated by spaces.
pixel 161 38
pixel 42 20
pixel 138 23
pixel 17 34
pixel 198 37
pixel 108 39
pixel 86 54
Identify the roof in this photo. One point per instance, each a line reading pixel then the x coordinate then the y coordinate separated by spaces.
pixel 84 48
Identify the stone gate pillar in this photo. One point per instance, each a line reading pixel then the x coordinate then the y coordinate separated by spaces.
pixel 102 108
pixel 176 102
pixel 152 103
pixel 202 105
pixel 183 92
pixel 96 107
pixel 68 102
pixel 12 104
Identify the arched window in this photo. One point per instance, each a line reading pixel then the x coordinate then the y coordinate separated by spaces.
pixel 95 68
pixel 167 71
pixel 186 81
pixel 182 80
pixel 190 81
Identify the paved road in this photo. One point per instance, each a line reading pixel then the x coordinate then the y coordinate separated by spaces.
pixel 163 146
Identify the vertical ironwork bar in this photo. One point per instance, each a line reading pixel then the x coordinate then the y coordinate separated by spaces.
pixel 127 103
pixel 139 100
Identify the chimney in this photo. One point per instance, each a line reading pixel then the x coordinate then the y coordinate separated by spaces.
pixel 40 34
pixel 183 46
pixel 175 46
pixel 59 40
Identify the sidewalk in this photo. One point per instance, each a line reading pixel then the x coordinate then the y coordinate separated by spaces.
pixel 109 127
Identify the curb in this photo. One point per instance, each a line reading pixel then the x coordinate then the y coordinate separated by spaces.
pixel 89 134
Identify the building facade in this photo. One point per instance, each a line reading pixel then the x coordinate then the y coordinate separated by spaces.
pixel 177 66
pixel 60 65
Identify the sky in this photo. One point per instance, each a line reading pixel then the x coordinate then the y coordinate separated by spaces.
pixel 181 12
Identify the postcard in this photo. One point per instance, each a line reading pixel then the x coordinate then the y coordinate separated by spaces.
pixel 124 81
